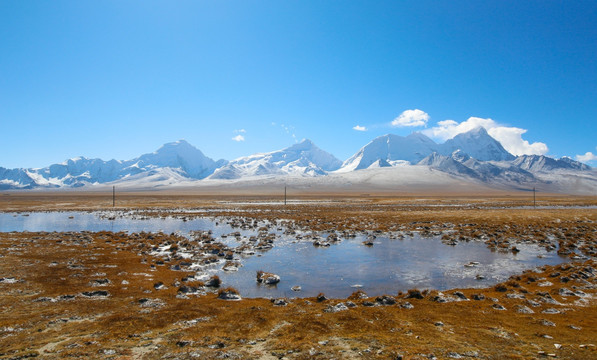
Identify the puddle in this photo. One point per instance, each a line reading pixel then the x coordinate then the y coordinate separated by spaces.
pixel 386 267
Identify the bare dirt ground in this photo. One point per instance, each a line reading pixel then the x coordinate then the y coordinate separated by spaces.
pixel 101 295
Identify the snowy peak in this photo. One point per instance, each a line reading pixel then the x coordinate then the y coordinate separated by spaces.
pixel 304 145
pixel 183 160
pixel 178 155
pixel 179 147
pixel 478 144
pixel 387 148
pixel 413 148
pixel 421 138
pixel 303 159
pixel 473 157
pixel 460 156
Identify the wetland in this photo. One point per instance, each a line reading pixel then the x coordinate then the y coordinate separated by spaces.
pixel 379 277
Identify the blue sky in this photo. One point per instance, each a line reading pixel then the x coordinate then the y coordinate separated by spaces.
pixel 115 79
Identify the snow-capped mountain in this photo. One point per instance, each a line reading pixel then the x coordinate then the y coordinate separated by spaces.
pixel 472 159
pixel 15 179
pixel 180 157
pixel 177 155
pixel 383 150
pixel 478 144
pixel 304 159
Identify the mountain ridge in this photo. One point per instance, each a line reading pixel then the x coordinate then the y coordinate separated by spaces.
pixel 473 156
pixel 303 158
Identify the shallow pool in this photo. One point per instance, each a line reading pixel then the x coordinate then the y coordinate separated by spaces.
pixel 386 267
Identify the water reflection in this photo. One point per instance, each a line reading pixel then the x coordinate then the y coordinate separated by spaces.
pixel 386 267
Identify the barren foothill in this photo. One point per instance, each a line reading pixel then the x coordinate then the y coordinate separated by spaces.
pixel 103 295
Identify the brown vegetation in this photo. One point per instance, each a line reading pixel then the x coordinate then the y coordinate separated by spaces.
pixel 93 295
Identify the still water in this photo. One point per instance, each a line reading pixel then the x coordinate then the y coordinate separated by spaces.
pixel 386 267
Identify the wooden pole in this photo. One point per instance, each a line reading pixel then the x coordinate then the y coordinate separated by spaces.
pixel 284 194
pixel 113 196
pixel 534 199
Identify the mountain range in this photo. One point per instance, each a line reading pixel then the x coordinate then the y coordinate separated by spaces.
pixel 473 157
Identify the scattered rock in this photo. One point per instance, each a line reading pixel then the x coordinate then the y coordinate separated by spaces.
pixel 151 303
pixel 214 282
pixel 406 305
pixel 230 294
pixel 321 297
pixel 279 302
pixel 8 280
pixel 498 307
pixel 460 295
pixel 455 355
pixel 95 294
pixel 515 296
pixel 521 309
pixel 359 294
pixel 385 300
pixel 336 308
pixel 100 282
pixel 368 242
pixel 551 311
pixel 547 323
pixel 267 278
pixel 414 294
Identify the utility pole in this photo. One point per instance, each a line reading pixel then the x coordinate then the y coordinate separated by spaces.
pixel 284 194
pixel 534 199
pixel 113 196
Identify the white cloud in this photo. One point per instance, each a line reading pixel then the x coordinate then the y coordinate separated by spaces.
pixel 510 137
pixel 447 129
pixel 414 117
pixel 359 128
pixel 589 156
pixel 238 138
pixel 241 131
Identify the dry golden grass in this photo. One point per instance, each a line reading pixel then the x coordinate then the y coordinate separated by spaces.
pixel 137 321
